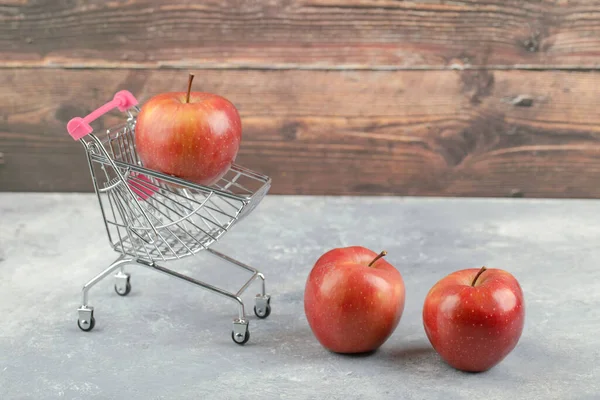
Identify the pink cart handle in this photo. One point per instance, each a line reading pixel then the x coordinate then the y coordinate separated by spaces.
pixel 79 127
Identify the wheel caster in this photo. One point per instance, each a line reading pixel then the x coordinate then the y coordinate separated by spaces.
pixel 262 307
pixel 85 325
pixel 122 285
pixel 86 320
pixel 240 333
pixel 242 339
pixel 123 291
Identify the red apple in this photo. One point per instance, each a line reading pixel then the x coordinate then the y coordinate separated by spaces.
pixel 474 317
pixel 353 300
pixel 194 136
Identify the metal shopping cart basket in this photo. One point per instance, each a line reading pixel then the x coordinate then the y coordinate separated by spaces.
pixel 151 217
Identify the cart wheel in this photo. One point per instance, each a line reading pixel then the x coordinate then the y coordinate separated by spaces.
pixel 87 327
pixel 263 313
pixel 239 340
pixel 123 292
pixel 262 306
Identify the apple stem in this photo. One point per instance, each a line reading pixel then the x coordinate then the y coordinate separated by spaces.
pixel 382 254
pixel 481 271
pixel 191 78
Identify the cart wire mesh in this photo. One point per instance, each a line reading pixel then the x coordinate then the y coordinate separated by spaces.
pixel 152 216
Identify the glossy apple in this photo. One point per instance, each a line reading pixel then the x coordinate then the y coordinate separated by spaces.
pixel 474 317
pixel 191 135
pixel 353 299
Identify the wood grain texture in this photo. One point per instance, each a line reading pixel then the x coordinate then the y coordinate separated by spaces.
pixel 442 133
pixel 292 34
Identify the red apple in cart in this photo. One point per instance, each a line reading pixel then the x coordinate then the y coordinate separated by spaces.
pixel 194 136
pixel 474 317
pixel 353 299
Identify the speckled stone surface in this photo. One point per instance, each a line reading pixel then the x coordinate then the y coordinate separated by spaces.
pixel 169 340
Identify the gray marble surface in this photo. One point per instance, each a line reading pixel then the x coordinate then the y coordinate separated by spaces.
pixel 169 340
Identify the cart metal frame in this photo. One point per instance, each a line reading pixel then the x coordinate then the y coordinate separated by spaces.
pixel 151 217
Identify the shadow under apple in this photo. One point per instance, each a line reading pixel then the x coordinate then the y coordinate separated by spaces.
pixel 414 353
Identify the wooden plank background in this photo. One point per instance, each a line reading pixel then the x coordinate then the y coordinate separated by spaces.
pixel 436 98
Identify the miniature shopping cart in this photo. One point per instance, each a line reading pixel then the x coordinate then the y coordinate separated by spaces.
pixel 152 217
